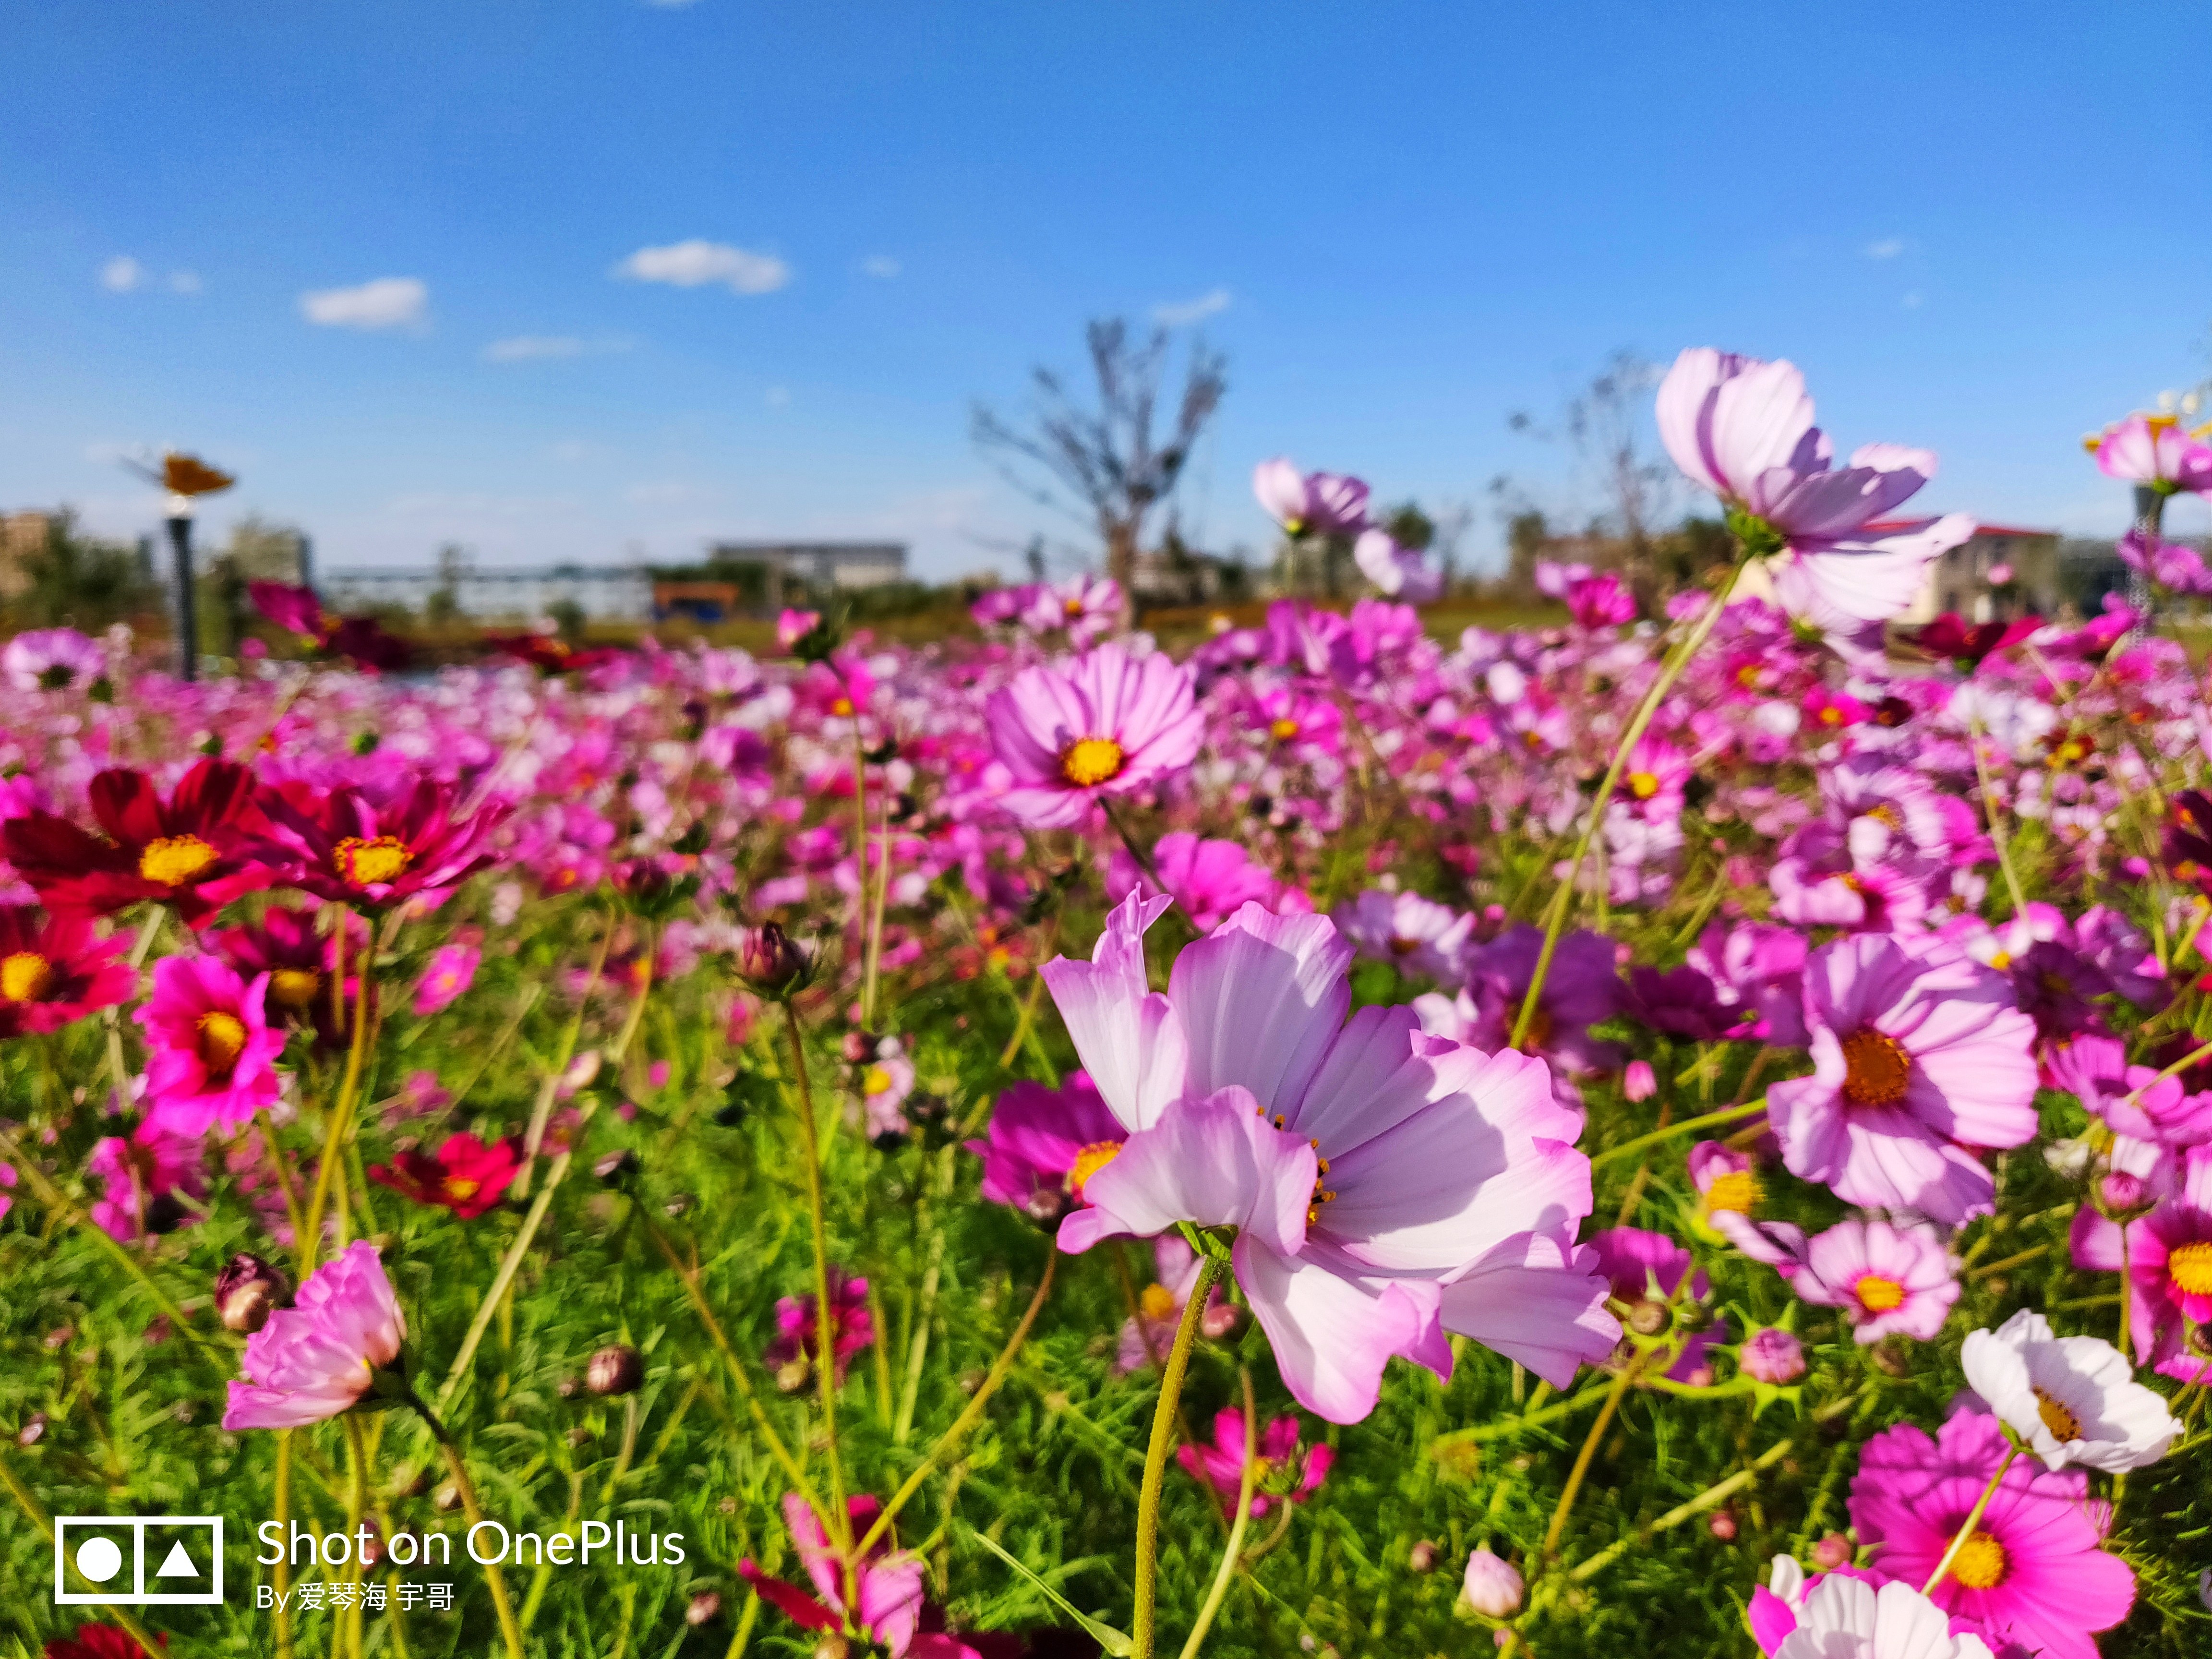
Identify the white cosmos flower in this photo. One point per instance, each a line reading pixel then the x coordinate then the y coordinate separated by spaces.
pixel 2069 1398
pixel 1848 1619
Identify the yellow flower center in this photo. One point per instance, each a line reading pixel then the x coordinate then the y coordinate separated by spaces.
pixel 223 1039
pixel 1831 715
pixel 1090 762
pixel 1158 1302
pixel 1879 1294
pixel 1876 1069
pixel 1980 1562
pixel 175 859
pixel 367 863
pixel 1738 1190
pixel 294 988
pixel 876 1081
pixel 2001 960
pixel 2056 1418
pixel 2191 1267
pixel 1090 1160
pixel 460 1188
pixel 1642 785
pixel 1071 608
pixel 1282 728
pixel 842 707
pixel 1886 814
pixel 25 976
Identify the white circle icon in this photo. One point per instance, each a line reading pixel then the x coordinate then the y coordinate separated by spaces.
pixel 99 1560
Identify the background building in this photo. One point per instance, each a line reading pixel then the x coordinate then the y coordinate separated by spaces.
pixel 819 564
pixel 1959 582
pixel 594 592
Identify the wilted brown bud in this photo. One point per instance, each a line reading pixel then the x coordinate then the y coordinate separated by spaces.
pixel 1423 1557
pixel 1647 1318
pixel 1893 1356
pixel 705 1608
pixel 617 1370
pixel 792 1375
pixel 246 1291
pixel 769 961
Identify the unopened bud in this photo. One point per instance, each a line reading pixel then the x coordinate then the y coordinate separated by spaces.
pixel 1833 1552
pixel 616 1370
pixel 616 1166
pixel 859 1047
pixel 246 1291
pixel 1647 1317
pixel 2122 1193
pixel 1638 1082
pixel 705 1608
pixel 1493 1588
pixel 769 961
pixel 1722 1526
pixel 1423 1557
pixel 1773 1357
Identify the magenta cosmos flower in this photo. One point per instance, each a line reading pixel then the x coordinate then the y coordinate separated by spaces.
pixel 1310 503
pixel 212 1054
pixel 1386 1186
pixel 1409 931
pixel 886 1586
pixel 1208 879
pixel 2168 1258
pixel 1104 724
pixel 1920 1060
pixel 798 1328
pixel 1743 428
pixel 49 659
pixel 344 847
pixel 452 970
pixel 2033 1573
pixel 1883 1278
pixel 319 1358
pixel 1283 1476
pixel 141 1179
pixel 1045 1143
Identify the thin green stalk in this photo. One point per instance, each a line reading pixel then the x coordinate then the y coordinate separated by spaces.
pixel 1231 1554
pixel 357 1502
pixel 1998 837
pixel 1562 904
pixel 1156 1459
pixel 1967 1529
pixel 1584 1459
pixel 1710 1497
pixel 1137 851
pixel 497 1580
pixel 549 1086
pixel 283 1515
pixel 825 1331
pixel 38 1519
pixel 307 1245
pixel 1687 1125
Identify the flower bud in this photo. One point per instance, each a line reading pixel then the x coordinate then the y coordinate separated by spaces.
pixel 2122 1193
pixel 1773 1357
pixel 617 1370
pixel 1833 1552
pixel 1493 1589
pixel 246 1291
pixel 1638 1082
pixel 1722 1526
pixel 1423 1557
pixel 859 1047
pixel 1648 1317
pixel 616 1166
pixel 769 961
pixel 705 1606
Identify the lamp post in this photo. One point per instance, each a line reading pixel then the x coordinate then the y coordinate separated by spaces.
pixel 188 626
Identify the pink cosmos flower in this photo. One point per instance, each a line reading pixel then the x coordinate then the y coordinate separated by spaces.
pixel 1920 1060
pixel 1086 607
pixel 1844 1617
pixel 141 1178
pixel 1596 601
pixel 793 626
pixel 2175 566
pixel 2154 450
pixel 1885 1279
pixel 1400 572
pixel 319 1358
pixel 1409 931
pixel 798 1336
pixel 1208 879
pixel 53 971
pixel 1104 724
pixel 49 659
pixel 1758 972
pixel 2034 1572
pixel 452 970
pixel 1652 782
pixel 212 1052
pixel 1582 988
pixel 1314 503
pixel 887 1602
pixel 2168 1259
pixel 1044 1143
pixel 7 1180
pixel 1282 1477
pixel 1386 1186
pixel 1743 428
pixel 1729 1194
pixel 1147 1334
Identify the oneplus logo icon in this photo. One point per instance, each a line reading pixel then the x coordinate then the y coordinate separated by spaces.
pixel 152 1560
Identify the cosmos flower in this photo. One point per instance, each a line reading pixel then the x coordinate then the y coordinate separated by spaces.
pixel 2069 1398
pixel 99 1642
pixel 1283 1476
pixel 1148 1333
pixel 211 1053
pixel 288 946
pixel 886 1601
pixel 1104 724
pixel 2154 450
pixel 466 1176
pixel 1399 572
pixel 1594 601
pixel 798 1339
pixel 1210 880
pixel 1409 931
pixel 342 846
pixel 1920 1060
pixel 1883 1278
pixel 1309 504
pixel 188 852
pixel 141 1176
pixel 2034 1572
pixel 50 659
pixel 319 1356
pixel 1844 1617
pixel 452 970
pixel 54 970
pixel 2167 1256
pixel 1043 1144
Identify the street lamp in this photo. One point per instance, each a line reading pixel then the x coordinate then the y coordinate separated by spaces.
pixel 186 477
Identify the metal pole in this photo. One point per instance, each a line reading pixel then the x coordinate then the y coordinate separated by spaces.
pixel 188 638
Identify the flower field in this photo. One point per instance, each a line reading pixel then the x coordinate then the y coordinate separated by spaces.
pixel 1686 1132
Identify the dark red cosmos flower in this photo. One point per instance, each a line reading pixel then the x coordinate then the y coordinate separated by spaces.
pixel 1951 635
pixel 99 1642
pixel 362 640
pixel 192 852
pixel 2189 839
pixel 53 971
pixel 547 653
pixel 339 844
pixel 466 1176
pixel 286 945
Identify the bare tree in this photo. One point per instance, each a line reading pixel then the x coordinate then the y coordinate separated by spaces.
pixel 1104 462
pixel 1607 422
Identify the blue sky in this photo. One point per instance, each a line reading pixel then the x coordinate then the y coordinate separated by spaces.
pixel 1405 221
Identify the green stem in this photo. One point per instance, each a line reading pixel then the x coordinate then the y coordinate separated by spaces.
pixel 357 1502
pixel 1967 1530
pixel 1997 837
pixel 1709 1498
pixel 825 1324
pixel 1231 1553
pixel 39 1519
pixel 1584 1459
pixel 1555 921
pixel 307 1245
pixel 1688 1124
pixel 1156 1459
pixel 497 1580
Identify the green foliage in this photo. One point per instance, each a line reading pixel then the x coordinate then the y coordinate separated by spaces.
pixel 78 581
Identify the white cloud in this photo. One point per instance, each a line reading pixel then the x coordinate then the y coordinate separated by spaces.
pixel 698 263
pixel 537 348
pixel 121 274
pixel 1888 248
pixel 183 281
pixel 779 396
pixel 1177 313
pixel 387 302
pixel 881 266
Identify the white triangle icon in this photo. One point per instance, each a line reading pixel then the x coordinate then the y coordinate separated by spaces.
pixel 177 1564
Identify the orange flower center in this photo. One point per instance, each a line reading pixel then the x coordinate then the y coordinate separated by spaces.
pixel 368 863
pixel 1642 785
pixel 460 1188
pixel 222 1040
pixel 1887 815
pixel 1090 762
pixel 25 977
pixel 1980 1562
pixel 1282 728
pixel 2056 1418
pixel 1876 1069
pixel 1090 1160
pixel 1738 1190
pixel 1157 1303
pixel 294 988
pixel 1878 1294
pixel 842 707
pixel 2191 1267
pixel 173 860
